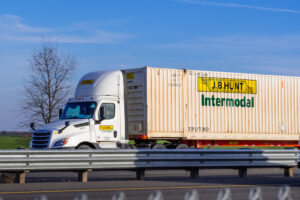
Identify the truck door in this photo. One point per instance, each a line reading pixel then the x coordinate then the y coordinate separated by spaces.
pixel 109 128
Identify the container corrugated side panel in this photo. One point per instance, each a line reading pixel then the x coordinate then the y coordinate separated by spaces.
pixel 165 106
pixel 275 115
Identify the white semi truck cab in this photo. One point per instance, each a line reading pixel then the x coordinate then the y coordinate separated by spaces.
pixel 93 118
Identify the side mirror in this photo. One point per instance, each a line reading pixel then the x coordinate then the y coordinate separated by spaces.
pixel 67 123
pixel 32 126
pixel 60 113
pixel 102 113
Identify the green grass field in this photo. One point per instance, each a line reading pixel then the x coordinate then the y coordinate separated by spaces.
pixel 14 142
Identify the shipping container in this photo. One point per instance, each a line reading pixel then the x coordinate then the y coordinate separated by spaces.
pixel 216 108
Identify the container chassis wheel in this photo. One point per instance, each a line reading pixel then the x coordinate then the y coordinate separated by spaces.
pixel 84 146
pixel 182 146
pixel 158 146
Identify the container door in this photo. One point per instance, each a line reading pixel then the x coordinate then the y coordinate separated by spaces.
pixel 109 128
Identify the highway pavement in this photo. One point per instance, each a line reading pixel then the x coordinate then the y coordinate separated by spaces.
pixel 172 183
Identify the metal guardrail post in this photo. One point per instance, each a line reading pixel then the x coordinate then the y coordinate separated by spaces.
pixel 140 174
pixel 288 172
pixel 21 177
pixel 194 173
pixel 83 176
pixel 243 172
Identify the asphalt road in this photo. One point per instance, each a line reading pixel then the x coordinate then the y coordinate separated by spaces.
pixel 173 184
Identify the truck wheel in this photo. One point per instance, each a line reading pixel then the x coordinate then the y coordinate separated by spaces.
pixel 84 146
pixel 159 146
pixel 182 146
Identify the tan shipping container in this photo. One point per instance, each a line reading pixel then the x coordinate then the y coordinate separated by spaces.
pixel 205 105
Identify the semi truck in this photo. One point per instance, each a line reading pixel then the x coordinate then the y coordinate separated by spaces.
pixel 176 108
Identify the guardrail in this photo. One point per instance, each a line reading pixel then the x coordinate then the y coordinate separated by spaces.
pixel 21 162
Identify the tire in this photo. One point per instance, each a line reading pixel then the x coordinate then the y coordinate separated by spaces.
pixel 159 146
pixel 132 146
pixel 84 146
pixel 182 146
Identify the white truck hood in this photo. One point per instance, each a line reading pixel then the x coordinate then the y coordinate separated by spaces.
pixel 59 124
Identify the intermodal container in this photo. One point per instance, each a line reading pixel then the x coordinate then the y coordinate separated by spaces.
pixel 205 105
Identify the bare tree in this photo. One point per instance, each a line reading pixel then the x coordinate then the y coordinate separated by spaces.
pixel 48 85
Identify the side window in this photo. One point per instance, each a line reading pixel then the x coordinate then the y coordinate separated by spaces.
pixel 110 110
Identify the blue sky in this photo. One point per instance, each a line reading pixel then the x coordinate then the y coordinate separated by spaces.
pixel 251 36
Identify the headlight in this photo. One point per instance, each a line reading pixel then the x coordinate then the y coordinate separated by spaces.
pixel 61 142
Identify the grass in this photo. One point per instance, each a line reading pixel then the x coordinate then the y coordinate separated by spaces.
pixel 14 142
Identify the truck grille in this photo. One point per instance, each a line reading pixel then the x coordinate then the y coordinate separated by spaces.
pixel 40 140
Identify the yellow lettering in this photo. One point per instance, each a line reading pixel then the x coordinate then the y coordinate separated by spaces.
pixel 86 82
pixel 226 85
pixel 130 75
pixel 106 128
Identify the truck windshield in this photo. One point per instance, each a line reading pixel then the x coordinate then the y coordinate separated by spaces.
pixel 79 110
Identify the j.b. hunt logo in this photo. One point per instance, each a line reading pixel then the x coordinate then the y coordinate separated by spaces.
pixel 228 102
pixel 227 85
